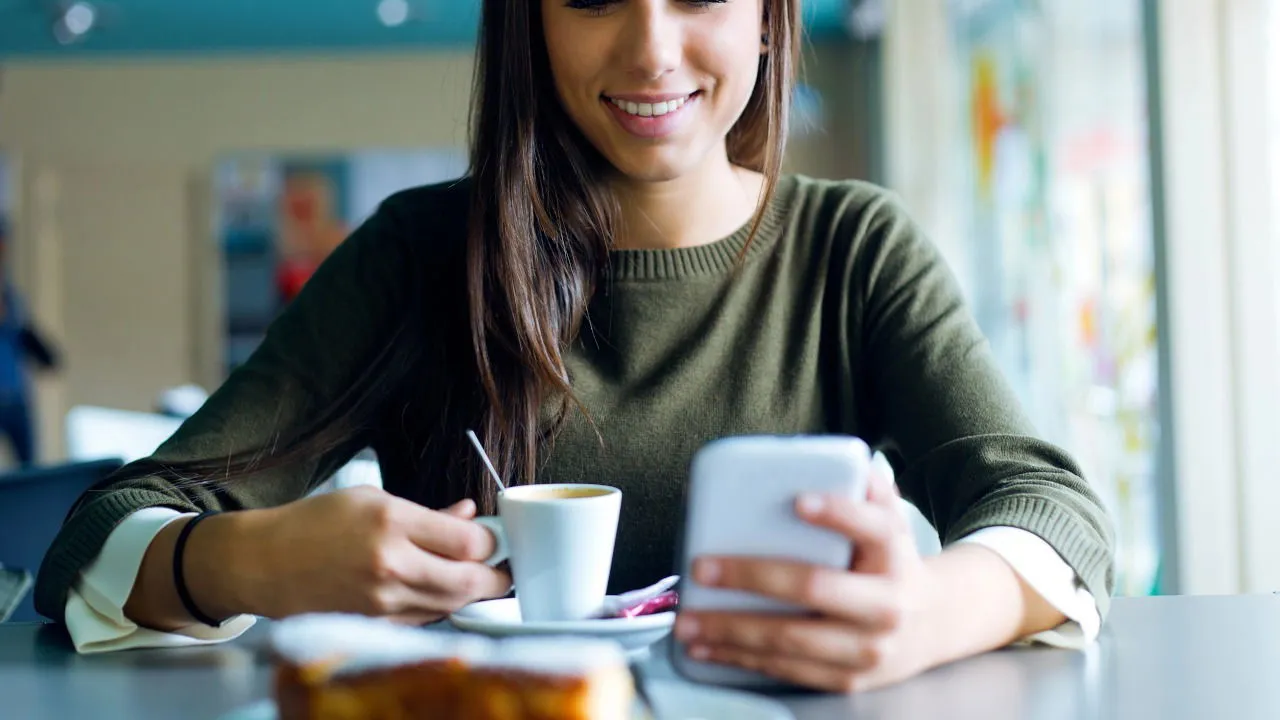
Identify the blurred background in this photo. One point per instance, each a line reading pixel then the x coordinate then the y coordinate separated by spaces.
pixel 1099 173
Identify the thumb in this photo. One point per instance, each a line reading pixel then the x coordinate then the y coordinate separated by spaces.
pixel 464 508
pixel 881 488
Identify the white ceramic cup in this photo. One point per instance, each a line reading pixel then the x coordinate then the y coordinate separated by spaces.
pixel 559 539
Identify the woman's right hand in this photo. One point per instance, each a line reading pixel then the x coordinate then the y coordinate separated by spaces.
pixel 359 550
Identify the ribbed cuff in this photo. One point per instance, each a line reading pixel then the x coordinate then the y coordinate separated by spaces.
pixel 1066 532
pixel 81 540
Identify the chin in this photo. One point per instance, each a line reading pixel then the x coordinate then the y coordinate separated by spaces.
pixel 652 168
pixel 651 174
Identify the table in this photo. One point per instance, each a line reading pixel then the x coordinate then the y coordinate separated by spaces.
pixel 1167 657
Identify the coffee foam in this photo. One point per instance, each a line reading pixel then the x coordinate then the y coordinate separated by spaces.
pixel 362 644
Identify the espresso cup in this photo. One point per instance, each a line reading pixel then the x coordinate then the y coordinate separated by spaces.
pixel 559 540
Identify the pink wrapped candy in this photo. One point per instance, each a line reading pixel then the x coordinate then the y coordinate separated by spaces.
pixel 660 603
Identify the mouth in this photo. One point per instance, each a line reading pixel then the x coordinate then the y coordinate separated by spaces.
pixel 651 117
pixel 650 106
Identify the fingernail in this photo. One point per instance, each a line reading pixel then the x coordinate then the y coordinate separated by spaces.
pixel 881 464
pixel 706 571
pixel 810 504
pixel 699 652
pixel 884 484
pixel 686 628
pixel 882 474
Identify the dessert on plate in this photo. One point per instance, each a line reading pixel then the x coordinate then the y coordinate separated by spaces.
pixel 350 667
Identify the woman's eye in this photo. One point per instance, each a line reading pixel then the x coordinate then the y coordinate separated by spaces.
pixel 597 7
pixel 593 7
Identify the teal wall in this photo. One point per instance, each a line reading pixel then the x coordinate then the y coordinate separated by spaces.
pixel 147 27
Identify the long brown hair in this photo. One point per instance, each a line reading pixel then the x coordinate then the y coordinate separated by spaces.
pixel 538 240
pixel 542 218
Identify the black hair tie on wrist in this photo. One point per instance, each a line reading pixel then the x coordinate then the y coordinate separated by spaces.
pixel 179 579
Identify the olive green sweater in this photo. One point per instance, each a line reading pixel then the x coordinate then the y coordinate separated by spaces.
pixel 842 318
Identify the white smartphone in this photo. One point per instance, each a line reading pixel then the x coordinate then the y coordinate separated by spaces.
pixel 741 501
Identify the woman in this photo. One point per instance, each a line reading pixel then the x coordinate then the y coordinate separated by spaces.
pixel 623 276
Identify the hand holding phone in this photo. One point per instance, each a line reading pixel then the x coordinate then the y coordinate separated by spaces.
pixel 741 502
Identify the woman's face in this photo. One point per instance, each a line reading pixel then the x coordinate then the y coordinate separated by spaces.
pixel 654 85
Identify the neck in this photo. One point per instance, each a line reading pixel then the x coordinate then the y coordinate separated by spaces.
pixel 695 209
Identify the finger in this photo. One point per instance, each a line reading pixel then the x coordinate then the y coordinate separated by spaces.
pixel 868 600
pixel 464 508
pixel 835 643
pixel 416 619
pixel 881 489
pixel 472 582
pixel 441 582
pixel 805 673
pixel 858 521
pixel 446 534
pixel 880 466
pixel 875 530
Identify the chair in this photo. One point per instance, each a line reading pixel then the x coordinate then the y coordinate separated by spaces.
pixel 33 505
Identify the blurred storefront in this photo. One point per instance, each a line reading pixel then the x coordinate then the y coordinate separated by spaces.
pixel 1042 203
pixel 1055 169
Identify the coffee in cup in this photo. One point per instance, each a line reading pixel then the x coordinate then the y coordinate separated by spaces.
pixel 562 492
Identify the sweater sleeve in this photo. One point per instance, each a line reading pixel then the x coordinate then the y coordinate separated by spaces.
pixel 934 398
pixel 346 313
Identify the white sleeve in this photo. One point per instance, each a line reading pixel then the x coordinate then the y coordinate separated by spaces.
pixel 1040 566
pixel 95 606
pixel 1035 561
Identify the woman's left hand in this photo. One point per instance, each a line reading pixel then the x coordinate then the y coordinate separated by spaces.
pixel 871 624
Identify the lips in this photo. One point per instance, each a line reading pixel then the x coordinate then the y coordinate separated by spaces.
pixel 650 116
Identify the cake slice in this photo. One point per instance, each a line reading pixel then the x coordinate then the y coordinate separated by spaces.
pixel 350 667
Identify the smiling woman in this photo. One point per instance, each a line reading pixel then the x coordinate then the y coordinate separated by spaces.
pixel 623 274
pixel 615 63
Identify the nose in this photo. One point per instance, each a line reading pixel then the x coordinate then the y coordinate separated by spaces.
pixel 653 45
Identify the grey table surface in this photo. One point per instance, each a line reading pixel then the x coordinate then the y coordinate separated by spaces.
pixel 1167 657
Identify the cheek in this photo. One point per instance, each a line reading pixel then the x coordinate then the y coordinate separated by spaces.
pixel 571 73
pixel 734 65
pixel 730 52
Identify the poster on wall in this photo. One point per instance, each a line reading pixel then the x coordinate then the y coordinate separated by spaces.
pixel 278 216
pixel 1055 184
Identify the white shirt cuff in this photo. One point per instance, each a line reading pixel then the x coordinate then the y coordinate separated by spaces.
pixel 1041 567
pixel 95 606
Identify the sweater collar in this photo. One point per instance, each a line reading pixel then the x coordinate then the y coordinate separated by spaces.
pixel 713 258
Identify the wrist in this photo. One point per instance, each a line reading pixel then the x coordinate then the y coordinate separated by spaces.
pixel 977 602
pixel 222 573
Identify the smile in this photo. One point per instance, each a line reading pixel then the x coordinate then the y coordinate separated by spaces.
pixel 650 109
pixel 651 117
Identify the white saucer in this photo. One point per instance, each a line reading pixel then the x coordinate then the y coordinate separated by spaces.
pixel 673 700
pixel 501 618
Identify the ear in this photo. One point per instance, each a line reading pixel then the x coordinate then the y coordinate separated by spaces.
pixel 764 28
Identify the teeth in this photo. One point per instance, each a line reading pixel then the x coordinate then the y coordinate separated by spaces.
pixel 650 109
